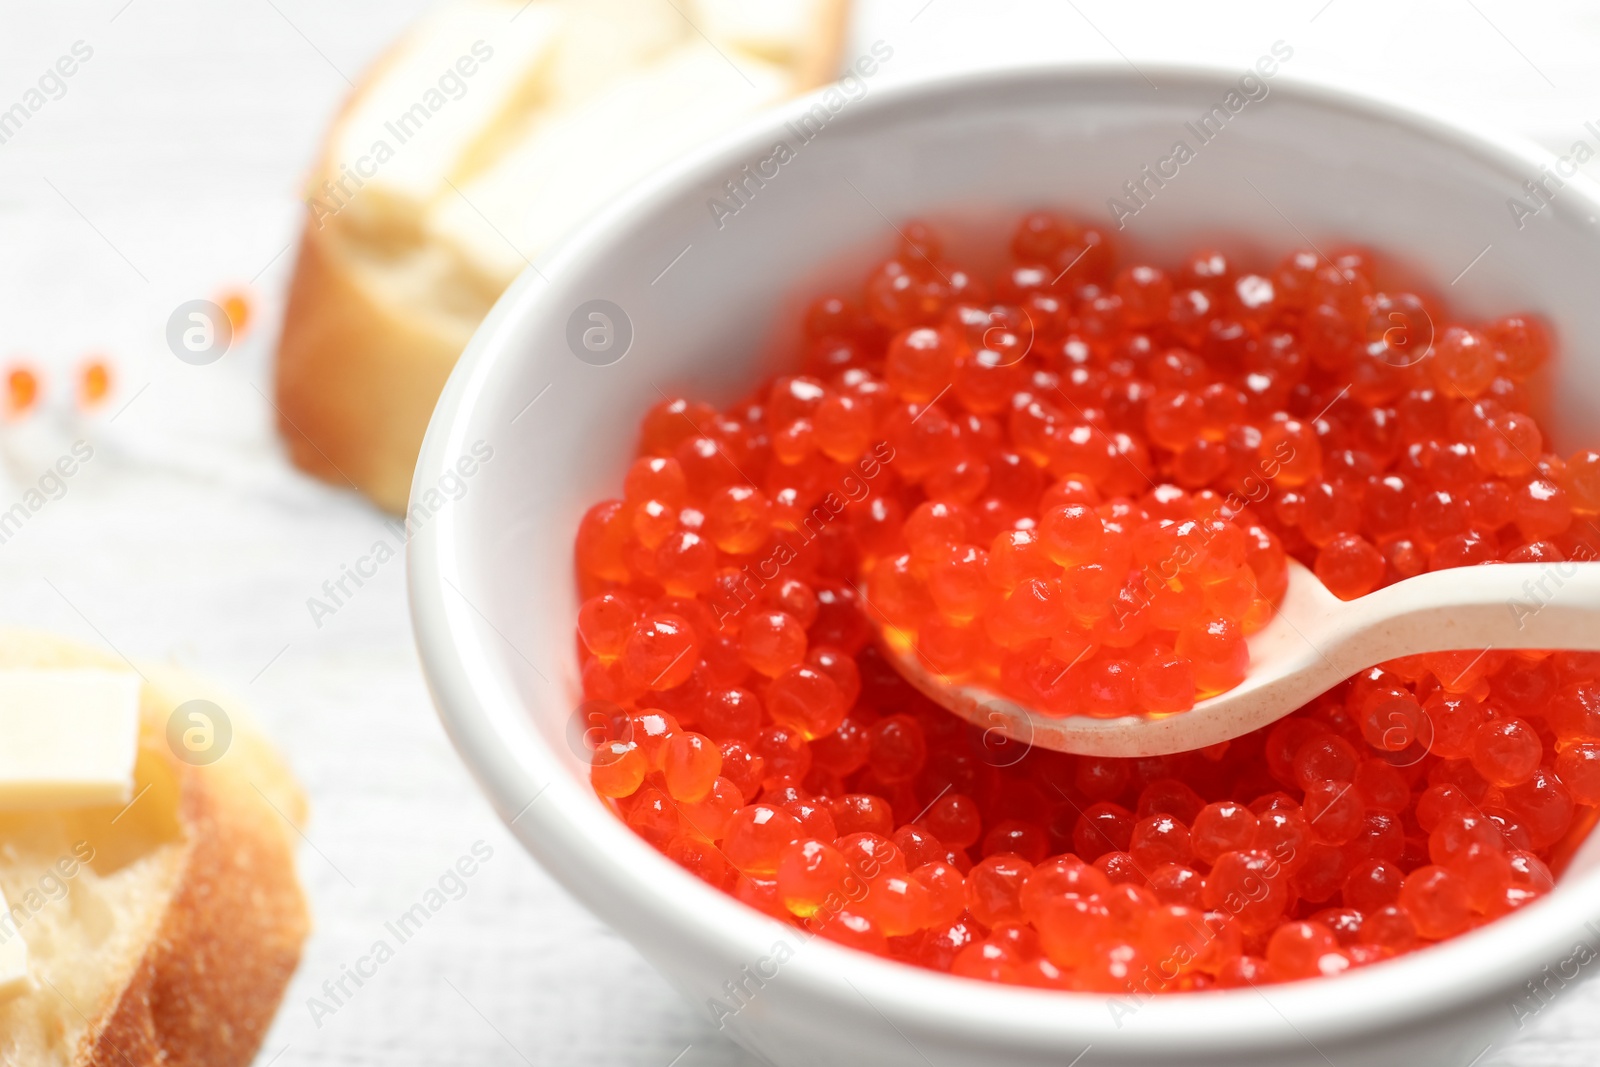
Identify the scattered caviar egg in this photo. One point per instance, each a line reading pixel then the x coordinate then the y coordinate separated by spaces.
pixel 94 382
pixel 22 390
pixel 236 304
pixel 1079 483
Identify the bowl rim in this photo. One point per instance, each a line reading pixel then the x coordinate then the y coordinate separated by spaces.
pixel 583 845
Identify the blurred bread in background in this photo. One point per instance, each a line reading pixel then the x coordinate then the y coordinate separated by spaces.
pixel 474 144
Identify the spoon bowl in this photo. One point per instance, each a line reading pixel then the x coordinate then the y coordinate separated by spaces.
pixel 1314 641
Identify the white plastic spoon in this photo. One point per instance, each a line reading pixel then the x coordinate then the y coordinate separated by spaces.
pixel 1315 641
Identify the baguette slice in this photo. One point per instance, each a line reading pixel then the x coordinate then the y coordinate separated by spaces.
pixel 534 194
pixel 408 245
pixel 163 932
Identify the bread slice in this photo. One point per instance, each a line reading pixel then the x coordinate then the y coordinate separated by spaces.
pixel 480 139
pixel 163 931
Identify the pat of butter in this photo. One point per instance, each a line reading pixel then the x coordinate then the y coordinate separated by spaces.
pixel 14 980
pixel 68 738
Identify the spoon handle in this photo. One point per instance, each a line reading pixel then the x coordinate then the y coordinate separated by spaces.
pixel 1507 605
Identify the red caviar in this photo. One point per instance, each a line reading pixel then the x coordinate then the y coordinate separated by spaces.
pixel 1079 482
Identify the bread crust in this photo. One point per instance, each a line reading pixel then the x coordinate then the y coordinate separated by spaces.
pixel 358 375
pixel 360 368
pixel 208 986
pixel 819 64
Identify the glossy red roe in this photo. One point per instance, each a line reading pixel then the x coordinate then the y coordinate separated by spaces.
pixel 1080 482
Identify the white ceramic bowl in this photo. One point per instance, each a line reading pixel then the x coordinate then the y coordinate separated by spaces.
pixel 492 582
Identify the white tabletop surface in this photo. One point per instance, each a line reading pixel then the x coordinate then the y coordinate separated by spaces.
pixel 169 169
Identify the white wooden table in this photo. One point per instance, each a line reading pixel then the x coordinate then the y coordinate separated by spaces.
pixel 168 168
